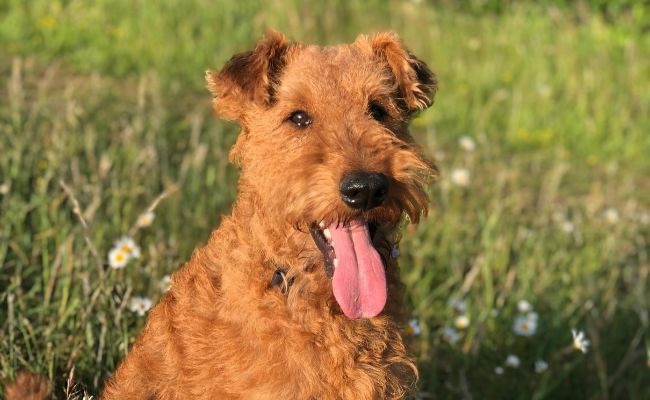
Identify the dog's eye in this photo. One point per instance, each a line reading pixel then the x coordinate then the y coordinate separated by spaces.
pixel 376 111
pixel 300 119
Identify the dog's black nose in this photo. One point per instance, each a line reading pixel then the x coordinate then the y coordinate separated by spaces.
pixel 364 190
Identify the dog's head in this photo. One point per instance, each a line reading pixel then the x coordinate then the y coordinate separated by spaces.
pixel 325 148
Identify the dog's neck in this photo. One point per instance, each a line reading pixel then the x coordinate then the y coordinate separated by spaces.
pixel 276 240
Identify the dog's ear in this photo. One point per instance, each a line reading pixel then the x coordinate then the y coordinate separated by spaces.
pixel 416 81
pixel 248 77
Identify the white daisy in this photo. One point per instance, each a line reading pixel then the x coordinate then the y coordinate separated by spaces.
pixel 127 245
pixel 460 177
pixel 461 321
pixel 579 341
pixel 140 305
pixel 525 325
pixel 467 143
pixel 413 327
pixel 512 361
pixel 499 370
pixel 524 306
pixel 117 258
pixel 541 366
pixel 450 335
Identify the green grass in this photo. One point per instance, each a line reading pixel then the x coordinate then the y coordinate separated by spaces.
pixel 104 105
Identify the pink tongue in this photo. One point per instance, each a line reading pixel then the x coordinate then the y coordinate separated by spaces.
pixel 359 281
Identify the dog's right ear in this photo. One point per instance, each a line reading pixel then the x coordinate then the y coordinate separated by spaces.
pixel 248 77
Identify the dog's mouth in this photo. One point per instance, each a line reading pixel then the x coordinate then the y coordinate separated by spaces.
pixel 355 266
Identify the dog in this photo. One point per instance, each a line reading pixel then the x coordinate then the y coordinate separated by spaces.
pixel 297 294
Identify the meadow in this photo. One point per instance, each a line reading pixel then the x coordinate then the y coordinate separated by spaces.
pixel 539 223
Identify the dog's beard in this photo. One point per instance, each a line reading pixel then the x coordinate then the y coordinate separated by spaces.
pixel 355 266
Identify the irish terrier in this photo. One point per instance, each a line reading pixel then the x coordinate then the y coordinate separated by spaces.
pixel 296 295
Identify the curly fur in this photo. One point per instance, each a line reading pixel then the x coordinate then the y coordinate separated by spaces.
pixel 223 331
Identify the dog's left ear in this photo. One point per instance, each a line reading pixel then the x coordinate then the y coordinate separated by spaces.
pixel 248 77
pixel 416 81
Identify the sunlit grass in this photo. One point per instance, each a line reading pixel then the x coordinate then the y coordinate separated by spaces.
pixel 540 129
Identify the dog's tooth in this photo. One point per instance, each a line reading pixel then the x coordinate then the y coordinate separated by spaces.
pixel 335 262
pixel 327 234
pixel 321 224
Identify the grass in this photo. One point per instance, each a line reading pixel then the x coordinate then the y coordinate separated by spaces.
pixel 104 110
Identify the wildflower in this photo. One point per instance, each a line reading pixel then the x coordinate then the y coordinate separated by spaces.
pixel 512 361
pixel 458 305
pixel 165 283
pixel 499 370
pixel 541 366
pixel 5 188
pixel 413 327
pixel 450 335
pixel 128 246
pixel 611 216
pixel 145 219
pixel 467 144
pixel 525 325
pixel 461 321
pixel 524 306
pixel 579 341
pixel 117 258
pixel 140 305
pixel 460 177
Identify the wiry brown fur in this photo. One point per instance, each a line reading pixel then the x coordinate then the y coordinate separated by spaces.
pixel 224 331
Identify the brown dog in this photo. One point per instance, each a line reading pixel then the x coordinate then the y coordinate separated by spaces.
pixel 296 295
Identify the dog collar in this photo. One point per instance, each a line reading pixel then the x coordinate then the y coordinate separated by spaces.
pixel 279 279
